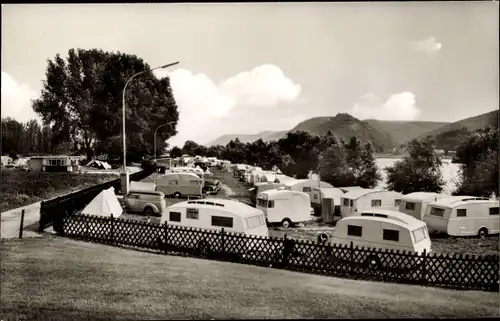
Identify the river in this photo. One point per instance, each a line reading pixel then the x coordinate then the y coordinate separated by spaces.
pixel 449 171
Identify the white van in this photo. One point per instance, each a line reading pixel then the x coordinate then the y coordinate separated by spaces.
pixel 285 207
pixel 415 204
pixel 383 229
pixel 358 199
pixel 215 214
pixel 180 184
pixel 463 216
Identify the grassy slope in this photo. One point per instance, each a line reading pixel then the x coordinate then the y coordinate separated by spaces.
pixel 402 131
pixel 472 123
pixel 20 188
pixel 62 279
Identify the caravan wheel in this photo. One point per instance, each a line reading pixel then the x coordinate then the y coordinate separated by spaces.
pixel 286 222
pixel 372 261
pixel 177 195
pixel 483 233
pixel 203 248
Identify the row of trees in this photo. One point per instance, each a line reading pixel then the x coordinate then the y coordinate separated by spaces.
pixel 81 104
pixel 351 163
pixel 30 139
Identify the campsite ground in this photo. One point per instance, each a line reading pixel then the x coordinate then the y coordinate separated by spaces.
pixel 21 188
pixel 234 189
pixel 62 279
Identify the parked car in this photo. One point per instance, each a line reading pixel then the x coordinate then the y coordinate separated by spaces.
pixel 148 202
pixel 212 186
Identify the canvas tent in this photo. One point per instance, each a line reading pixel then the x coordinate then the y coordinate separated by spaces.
pixel 104 204
pixel 98 164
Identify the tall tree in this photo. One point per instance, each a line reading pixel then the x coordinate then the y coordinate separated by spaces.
pixel 82 97
pixel 479 157
pixel 418 171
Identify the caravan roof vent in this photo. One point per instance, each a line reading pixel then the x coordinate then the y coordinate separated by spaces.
pixel 205 203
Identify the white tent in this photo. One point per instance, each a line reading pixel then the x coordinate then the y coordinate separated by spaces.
pixel 98 164
pixel 104 204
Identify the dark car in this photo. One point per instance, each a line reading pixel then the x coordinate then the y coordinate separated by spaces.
pixel 202 165
pixel 212 186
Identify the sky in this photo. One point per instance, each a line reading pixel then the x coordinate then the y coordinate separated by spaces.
pixel 246 68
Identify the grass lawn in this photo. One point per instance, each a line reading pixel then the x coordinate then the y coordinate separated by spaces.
pixel 62 279
pixel 20 188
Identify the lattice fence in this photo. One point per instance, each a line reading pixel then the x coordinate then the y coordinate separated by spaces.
pixel 456 271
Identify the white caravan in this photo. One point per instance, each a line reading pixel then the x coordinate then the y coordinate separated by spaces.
pixel 180 184
pixel 385 229
pixel 318 194
pixel 215 214
pixel 415 204
pixel 184 169
pixel 463 216
pixel 285 207
pixel 358 199
pixel 285 179
pixel 306 185
pixel 262 187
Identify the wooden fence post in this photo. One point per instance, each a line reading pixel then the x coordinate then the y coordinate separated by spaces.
pixel 165 231
pixel 112 229
pixel 424 268
pixel 21 226
pixel 351 257
pixel 223 247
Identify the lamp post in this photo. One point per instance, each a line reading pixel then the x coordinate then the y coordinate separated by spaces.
pixel 124 176
pixel 154 139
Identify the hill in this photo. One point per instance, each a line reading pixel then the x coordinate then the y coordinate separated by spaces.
pixel 451 135
pixel 345 126
pixel 248 138
pixel 403 131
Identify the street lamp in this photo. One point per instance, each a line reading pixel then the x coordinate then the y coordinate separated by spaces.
pixel 154 140
pixel 124 177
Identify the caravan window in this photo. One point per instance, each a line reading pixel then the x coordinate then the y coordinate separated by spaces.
pixel 175 216
pixel 376 203
pixel 420 234
pixel 255 221
pixel 192 213
pixel 461 212
pixel 410 206
pixel 494 211
pixel 173 182
pixel 351 203
pixel 436 211
pixel 261 202
pixel 346 201
pixel 397 202
pixel 390 235
pixel 222 221
pixel 354 230
pixel 270 204
pixel 306 189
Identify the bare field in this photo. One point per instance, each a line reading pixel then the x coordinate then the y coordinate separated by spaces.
pixel 61 279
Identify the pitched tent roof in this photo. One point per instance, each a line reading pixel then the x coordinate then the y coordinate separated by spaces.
pixel 104 204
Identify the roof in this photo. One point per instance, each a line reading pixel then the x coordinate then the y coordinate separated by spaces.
pixel 193 175
pixel 54 156
pixel 421 196
pixel 275 193
pixel 313 182
pixel 395 215
pixel 452 201
pixel 357 193
pixel 411 226
pixel 235 207
pixel 331 192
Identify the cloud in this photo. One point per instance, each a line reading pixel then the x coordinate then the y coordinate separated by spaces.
pixel 16 99
pixel 204 106
pixel 401 106
pixel 428 46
